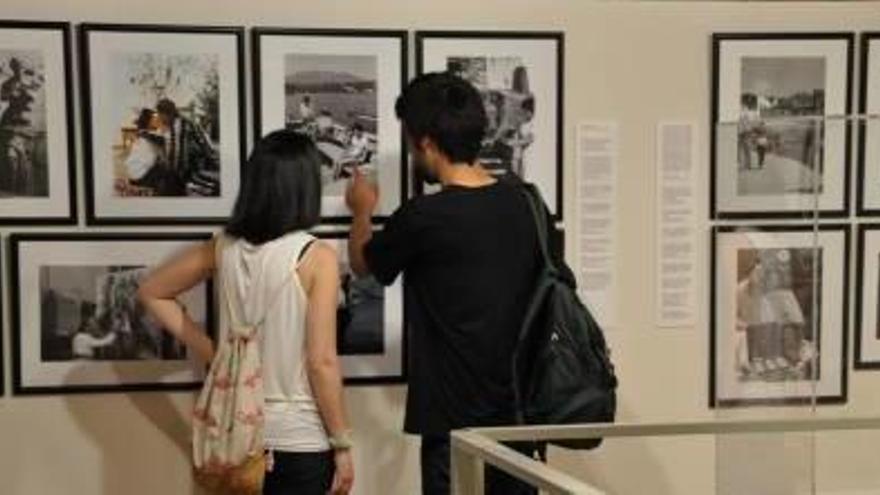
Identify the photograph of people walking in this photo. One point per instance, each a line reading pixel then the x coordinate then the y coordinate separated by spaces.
pixel 780 133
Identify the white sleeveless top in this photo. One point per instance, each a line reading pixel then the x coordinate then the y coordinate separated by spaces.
pixel 264 284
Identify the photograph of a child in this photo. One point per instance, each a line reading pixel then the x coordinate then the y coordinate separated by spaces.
pixel 775 314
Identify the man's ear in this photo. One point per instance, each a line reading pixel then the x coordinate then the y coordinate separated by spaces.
pixel 427 146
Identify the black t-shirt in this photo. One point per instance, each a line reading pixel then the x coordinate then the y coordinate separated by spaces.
pixel 469 259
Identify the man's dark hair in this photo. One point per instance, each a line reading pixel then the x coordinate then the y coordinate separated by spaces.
pixel 280 190
pixel 166 107
pixel 446 109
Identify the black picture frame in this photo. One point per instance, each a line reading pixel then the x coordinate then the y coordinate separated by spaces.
pixel 2 329
pixel 87 133
pixel 379 379
pixel 556 36
pixel 718 213
pixel 861 195
pixel 713 401
pixel 257 33
pixel 15 240
pixel 71 218
pixel 860 362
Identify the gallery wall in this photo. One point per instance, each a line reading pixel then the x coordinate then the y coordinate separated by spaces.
pixel 631 63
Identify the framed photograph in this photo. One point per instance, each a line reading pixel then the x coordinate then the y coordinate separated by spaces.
pixel 77 325
pixel 370 323
pixel 37 155
pixel 163 122
pixel 774 154
pixel 779 315
pixel 339 87
pixel 867 334
pixel 868 203
pixel 520 76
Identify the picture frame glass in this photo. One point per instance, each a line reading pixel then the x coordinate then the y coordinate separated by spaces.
pixel 779 334
pixel 370 323
pixel 170 143
pixel 781 144
pixel 37 166
pixel 520 80
pixel 869 203
pixel 340 89
pixel 79 326
pixel 867 333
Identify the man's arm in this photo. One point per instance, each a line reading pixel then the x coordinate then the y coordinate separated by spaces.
pixel 360 235
pixel 362 197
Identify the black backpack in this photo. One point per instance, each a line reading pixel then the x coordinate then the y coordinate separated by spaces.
pixel 562 371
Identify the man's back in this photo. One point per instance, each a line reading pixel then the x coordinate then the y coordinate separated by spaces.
pixel 469 258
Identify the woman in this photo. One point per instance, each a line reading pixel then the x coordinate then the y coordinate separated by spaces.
pixel 141 163
pixel 273 271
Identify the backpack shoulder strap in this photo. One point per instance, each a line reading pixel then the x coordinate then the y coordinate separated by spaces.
pixel 536 205
pixel 220 242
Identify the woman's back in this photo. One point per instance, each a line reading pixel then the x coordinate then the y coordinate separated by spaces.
pixel 260 284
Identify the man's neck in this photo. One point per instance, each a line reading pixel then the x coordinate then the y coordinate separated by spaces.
pixel 464 175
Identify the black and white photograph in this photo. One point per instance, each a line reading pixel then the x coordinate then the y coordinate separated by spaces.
pixel 332 98
pixel 776 313
pixel 164 141
pixel 867 327
pixel 503 82
pixel 777 324
pixel 774 152
pixel 168 142
pixel 369 323
pixel 37 165
pixel 338 87
pixel 23 159
pixel 868 185
pixel 77 324
pixel 777 152
pixel 520 77
pixel 92 313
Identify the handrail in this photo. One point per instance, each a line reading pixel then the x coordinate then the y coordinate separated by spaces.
pixel 472 448
pixel 710 427
pixel 477 447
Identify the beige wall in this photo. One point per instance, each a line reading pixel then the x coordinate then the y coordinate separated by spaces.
pixel 634 63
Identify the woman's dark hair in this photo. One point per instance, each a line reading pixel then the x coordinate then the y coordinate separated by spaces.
pixel 143 120
pixel 280 189
pixel 446 109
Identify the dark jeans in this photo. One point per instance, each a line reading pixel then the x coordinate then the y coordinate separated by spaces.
pixel 300 474
pixel 435 470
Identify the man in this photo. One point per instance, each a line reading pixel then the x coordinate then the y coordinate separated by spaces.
pixel 188 150
pixel 17 95
pixel 357 151
pixel 306 113
pixel 469 255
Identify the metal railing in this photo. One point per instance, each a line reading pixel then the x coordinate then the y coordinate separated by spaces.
pixel 473 449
